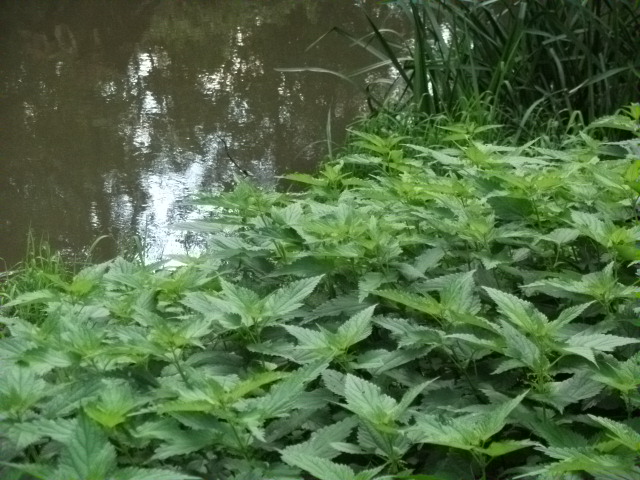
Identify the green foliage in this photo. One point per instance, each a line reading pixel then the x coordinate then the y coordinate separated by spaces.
pixel 526 64
pixel 457 313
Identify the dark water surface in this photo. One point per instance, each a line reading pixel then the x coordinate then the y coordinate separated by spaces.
pixel 111 111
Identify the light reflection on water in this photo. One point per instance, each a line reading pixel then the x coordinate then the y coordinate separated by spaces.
pixel 111 116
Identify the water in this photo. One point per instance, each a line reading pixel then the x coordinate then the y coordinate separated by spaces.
pixel 112 111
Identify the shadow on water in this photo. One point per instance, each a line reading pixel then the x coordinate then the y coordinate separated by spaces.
pixel 111 111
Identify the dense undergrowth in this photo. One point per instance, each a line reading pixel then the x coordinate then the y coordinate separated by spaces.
pixel 465 311
pixel 533 66
pixel 439 301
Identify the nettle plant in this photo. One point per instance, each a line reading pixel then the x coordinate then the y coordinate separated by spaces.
pixel 460 313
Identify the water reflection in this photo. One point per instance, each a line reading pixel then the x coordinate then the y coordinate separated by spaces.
pixel 112 112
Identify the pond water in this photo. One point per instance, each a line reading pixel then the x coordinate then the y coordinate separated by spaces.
pixel 113 112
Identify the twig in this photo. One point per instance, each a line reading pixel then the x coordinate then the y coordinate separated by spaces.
pixel 235 164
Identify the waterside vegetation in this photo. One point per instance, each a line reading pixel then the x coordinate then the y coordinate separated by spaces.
pixel 440 301
pixel 529 65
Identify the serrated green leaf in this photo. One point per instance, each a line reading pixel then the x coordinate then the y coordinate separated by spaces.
pixel 467 432
pixel 26 433
pixel 590 225
pixel 568 315
pixel 421 303
pixel 600 341
pixel 20 389
pixel 29 298
pixel 184 442
pixel 622 433
pixel 87 455
pixel 356 329
pixel 116 400
pixel 519 347
pixel 133 473
pixel 320 468
pixel 369 283
pixel 503 447
pixel 289 298
pixel 366 400
pixel 307 338
pixel 519 312
pixel 458 294
pixel 410 395
pixel 567 392
pixel 282 397
pixel 562 236
pixel 306 178
pixel 321 442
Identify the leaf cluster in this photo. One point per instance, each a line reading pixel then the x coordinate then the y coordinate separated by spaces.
pixel 466 312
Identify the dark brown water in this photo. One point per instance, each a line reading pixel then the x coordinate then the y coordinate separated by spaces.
pixel 111 111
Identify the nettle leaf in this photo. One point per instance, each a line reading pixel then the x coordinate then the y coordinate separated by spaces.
pixel 241 300
pixel 506 365
pixel 307 338
pixel 30 298
pixel 603 286
pixel 591 225
pixel 356 329
pixel 20 389
pixel 283 397
pixel 203 303
pixel 320 468
pixel 572 390
pixel 134 473
pixel 467 432
pixel 380 360
pixel 306 178
pixel 422 303
pixel 289 298
pixel 369 283
pixel 587 459
pixel 321 442
pixel 291 215
pixel 409 397
pixel 562 236
pixel 334 381
pixel 26 433
pixel 424 262
pixel 623 434
pixel 252 383
pixel 68 397
pixel 623 376
pixel 458 294
pixel 547 427
pixel 503 447
pixel 408 334
pixel 568 315
pixel 367 400
pixel 345 304
pixel 116 401
pixel 519 312
pixel 41 472
pixel 519 347
pixel 324 469
pixel 488 343
pixel 599 341
pixel 183 442
pixel 327 345
pixel 429 259
pixel 87 454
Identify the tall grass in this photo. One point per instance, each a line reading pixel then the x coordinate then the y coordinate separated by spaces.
pixel 527 64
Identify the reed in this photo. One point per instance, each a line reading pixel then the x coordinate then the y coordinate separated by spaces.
pixel 524 64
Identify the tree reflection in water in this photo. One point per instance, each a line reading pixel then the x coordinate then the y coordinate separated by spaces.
pixel 111 114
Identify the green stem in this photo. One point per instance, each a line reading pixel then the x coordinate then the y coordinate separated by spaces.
pixel 176 362
pixel 241 445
